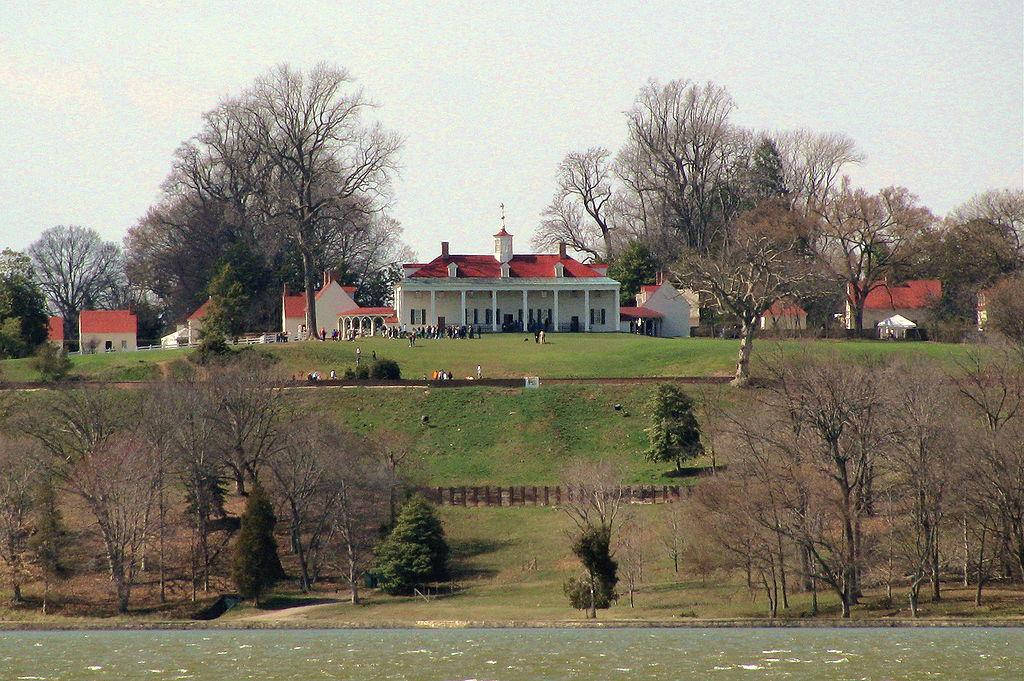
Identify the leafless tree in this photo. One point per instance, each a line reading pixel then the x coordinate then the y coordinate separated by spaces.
pixel 760 263
pixel 327 168
pixel 594 494
pixel 867 239
pixel 581 214
pixel 635 539
pixel 247 408
pixel 1001 207
pixel 17 470
pixel 680 153
pixel 813 164
pixel 76 269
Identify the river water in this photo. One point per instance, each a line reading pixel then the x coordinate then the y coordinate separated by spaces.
pixel 515 654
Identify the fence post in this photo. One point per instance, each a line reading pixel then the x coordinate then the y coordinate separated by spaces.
pixel 558 495
pixel 440 496
pixel 451 496
pixel 547 498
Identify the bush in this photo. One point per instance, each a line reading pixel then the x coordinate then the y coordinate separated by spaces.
pixel 349 373
pixel 51 362
pixel 212 349
pixel 362 372
pixel 385 369
pixel 255 565
pixel 415 552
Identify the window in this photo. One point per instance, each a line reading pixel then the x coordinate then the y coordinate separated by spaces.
pixel 124 345
pixel 423 316
pixel 592 311
pixel 476 316
pixel 549 315
pixel 531 316
pixel 602 316
pixel 412 316
pixel 487 316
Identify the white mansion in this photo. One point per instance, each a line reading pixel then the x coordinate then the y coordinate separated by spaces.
pixel 506 292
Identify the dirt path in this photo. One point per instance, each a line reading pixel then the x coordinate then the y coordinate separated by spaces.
pixel 288 614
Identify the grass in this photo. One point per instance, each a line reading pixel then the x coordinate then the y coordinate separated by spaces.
pixel 507 356
pixel 502 436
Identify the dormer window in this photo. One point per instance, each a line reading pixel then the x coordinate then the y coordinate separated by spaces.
pixel 559 269
pixel 504 270
pixel 453 269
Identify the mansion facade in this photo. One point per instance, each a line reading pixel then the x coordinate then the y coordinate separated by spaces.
pixel 507 292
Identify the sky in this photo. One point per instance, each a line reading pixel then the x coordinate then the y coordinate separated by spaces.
pixel 489 97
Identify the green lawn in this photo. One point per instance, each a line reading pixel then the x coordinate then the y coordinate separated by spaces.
pixel 505 436
pixel 506 356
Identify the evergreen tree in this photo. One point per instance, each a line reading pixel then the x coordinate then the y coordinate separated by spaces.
pixel 767 178
pixel 415 551
pixel 634 267
pixel 674 433
pixel 51 362
pixel 255 566
pixel 226 314
pixel 597 589
pixel 23 317
pixel 49 540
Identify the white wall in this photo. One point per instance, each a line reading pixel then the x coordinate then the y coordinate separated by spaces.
pixel 675 309
pixel 119 342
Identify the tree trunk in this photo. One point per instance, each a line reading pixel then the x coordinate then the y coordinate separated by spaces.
pixel 312 331
pixel 967 553
pixel 981 567
pixel 936 583
pixel 743 356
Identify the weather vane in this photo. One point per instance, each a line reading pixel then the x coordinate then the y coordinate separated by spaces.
pixel 502 206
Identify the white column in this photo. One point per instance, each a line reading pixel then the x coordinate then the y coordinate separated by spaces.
pixel 526 311
pixel 616 322
pixel 373 326
pixel 586 309
pixel 494 310
pixel 554 318
pixel 360 326
pixel 433 308
pixel 463 320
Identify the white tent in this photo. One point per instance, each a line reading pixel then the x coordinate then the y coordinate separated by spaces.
pixel 895 326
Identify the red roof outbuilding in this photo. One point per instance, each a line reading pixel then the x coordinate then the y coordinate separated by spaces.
pixel 200 311
pixel 629 312
pixel 914 294
pixel 108 321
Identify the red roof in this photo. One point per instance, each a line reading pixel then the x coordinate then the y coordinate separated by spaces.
pixel 108 321
pixel 200 311
pixel 502 233
pixel 349 289
pixel 355 311
pixel 55 329
pixel 651 288
pixel 487 267
pixel 914 294
pixel 781 308
pixel 639 313
pixel 295 306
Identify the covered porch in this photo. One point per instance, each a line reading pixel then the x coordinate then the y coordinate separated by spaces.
pixel 641 320
pixel 365 321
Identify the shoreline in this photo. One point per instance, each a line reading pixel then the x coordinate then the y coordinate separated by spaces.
pixel 283 625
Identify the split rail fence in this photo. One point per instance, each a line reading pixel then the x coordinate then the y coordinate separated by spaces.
pixel 534 495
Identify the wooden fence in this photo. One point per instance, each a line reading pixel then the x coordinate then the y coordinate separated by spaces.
pixel 534 495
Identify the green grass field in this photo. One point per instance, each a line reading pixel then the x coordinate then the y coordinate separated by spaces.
pixel 506 356
pixel 506 436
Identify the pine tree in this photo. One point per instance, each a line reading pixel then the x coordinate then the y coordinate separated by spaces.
pixel 415 551
pixel 255 566
pixel 634 267
pixel 767 177
pixel 49 540
pixel 226 313
pixel 597 589
pixel 674 433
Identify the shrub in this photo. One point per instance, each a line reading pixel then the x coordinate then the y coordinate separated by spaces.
pixel 255 565
pixel 385 369
pixel 362 372
pixel 349 373
pixel 51 362
pixel 212 349
pixel 415 552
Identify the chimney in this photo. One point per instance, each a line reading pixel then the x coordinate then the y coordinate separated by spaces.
pixel 444 249
pixel 561 249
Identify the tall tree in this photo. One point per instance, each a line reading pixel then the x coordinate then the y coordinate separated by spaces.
pixel 633 267
pixel 17 471
pixel 813 165
pixel 1003 208
pixel 867 239
pixel 761 262
pixel 226 314
pixel 582 212
pixel 767 175
pixel 49 541
pixel 327 168
pixel 415 551
pixel 77 270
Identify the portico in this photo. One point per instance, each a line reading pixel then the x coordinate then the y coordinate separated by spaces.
pixel 507 292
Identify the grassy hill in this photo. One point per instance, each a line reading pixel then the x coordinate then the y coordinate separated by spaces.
pixel 503 356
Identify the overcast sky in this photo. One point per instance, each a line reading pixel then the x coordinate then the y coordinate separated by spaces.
pixel 95 96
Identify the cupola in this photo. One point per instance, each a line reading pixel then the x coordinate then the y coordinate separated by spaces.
pixel 503 246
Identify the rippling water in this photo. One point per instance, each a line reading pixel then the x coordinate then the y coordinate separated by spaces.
pixel 516 654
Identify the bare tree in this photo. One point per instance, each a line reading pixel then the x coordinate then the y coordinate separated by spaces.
pixel 681 152
pixel 17 469
pixel 867 240
pixel 582 212
pixel 77 270
pixel 327 168
pixel 1001 207
pixel 760 263
pixel 813 164
pixel 635 538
